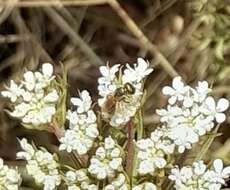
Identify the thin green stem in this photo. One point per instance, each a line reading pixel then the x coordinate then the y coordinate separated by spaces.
pixel 140 127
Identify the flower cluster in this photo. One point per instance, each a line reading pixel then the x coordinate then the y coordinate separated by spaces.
pixel 119 183
pixel 78 180
pixel 82 126
pixel 107 160
pixel 33 100
pixel 150 157
pixel 198 176
pixel 10 179
pixel 152 152
pixel 110 85
pixel 191 112
pixel 41 165
pixel 145 186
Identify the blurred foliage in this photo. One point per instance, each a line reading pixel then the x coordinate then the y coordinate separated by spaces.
pixel 216 15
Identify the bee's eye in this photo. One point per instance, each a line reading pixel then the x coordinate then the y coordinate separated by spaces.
pixel 129 88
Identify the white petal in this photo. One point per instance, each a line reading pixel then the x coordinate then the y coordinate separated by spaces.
pixel 101 152
pixel 203 85
pixel 218 165
pixel 210 102
pixel 104 71
pixel 222 105
pixel 177 83
pixel 141 61
pixel 115 163
pixel 109 143
pixel 76 101
pixel 51 97
pixel 114 68
pixel 172 100
pixel 226 171
pixel 47 69
pixel 188 102
pixel 167 90
pixel 220 117
pixel 29 76
pixel 181 149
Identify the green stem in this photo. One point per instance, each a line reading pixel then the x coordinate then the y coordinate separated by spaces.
pixel 207 144
pixel 140 127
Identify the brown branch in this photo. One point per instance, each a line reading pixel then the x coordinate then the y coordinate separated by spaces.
pixel 11 38
pixel 43 3
pixel 130 149
pixel 74 36
pixel 144 41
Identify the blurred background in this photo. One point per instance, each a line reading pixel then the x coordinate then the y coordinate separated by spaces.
pixel 84 34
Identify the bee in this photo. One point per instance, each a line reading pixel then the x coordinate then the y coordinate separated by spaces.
pixel 112 102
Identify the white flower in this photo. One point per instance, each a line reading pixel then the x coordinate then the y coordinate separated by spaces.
pixel 47 70
pixel 136 74
pixel 150 157
pixel 82 126
pixel 41 165
pixel 219 169
pixel 78 180
pixel 50 182
pixel 145 186
pixel 119 183
pixel 106 82
pixel 13 91
pixel 183 137
pixel 34 102
pixel 216 110
pixel 83 103
pixel 45 77
pixel 201 91
pixel 106 161
pixel 108 73
pixel 190 113
pixel 198 176
pixel 176 92
pixel 10 179
pixel 161 140
pixel 29 80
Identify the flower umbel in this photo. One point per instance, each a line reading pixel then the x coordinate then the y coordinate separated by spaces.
pixel 10 179
pixel 107 160
pixel 198 176
pixel 34 100
pixel 78 180
pixel 191 112
pixel 41 165
pixel 82 126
